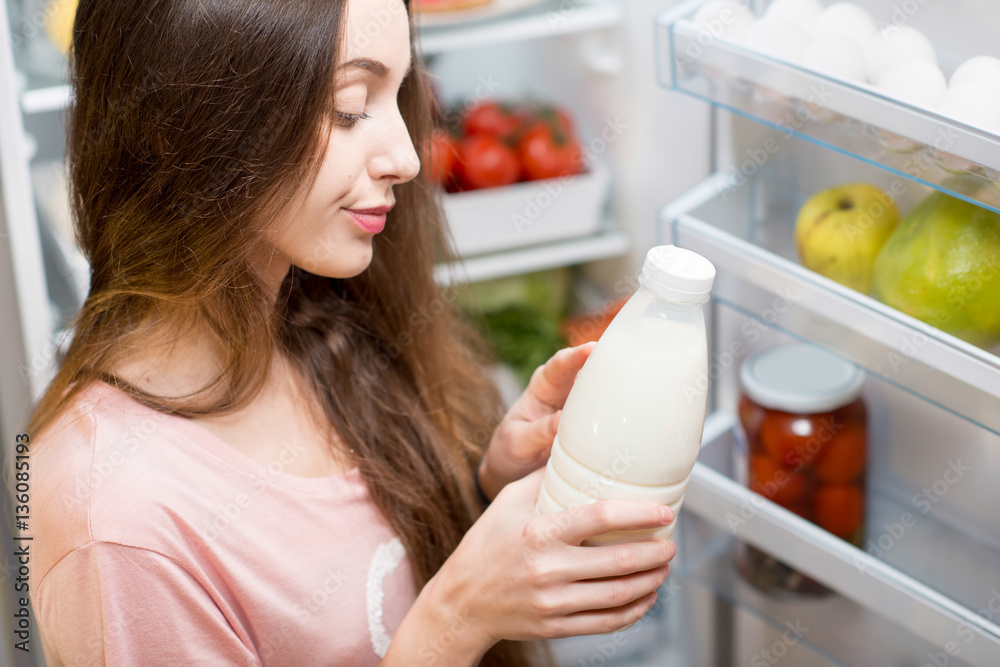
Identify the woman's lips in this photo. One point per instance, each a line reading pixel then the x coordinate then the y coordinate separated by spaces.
pixel 371 220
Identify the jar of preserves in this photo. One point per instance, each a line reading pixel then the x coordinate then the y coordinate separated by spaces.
pixel 804 445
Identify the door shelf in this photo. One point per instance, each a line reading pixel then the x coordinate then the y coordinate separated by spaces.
pixel 752 248
pixel 851 117
pixel 834 628
pixel 930 584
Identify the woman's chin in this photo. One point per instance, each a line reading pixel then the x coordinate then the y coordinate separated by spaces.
pixel 341 266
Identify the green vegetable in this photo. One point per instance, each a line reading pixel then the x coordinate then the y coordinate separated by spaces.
pixel 524 337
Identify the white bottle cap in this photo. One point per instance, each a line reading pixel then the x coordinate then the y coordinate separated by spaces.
pixel 677 274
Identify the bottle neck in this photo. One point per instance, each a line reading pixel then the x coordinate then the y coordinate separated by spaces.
pixel 663 293
pixel 665 302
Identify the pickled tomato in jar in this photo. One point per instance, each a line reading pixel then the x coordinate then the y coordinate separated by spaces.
pixel 804 426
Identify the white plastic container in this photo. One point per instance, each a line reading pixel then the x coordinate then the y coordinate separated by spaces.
pixel 632 424
pixel 528 213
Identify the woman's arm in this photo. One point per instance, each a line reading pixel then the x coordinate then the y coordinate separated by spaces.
pixel 436 631
pixel 517 575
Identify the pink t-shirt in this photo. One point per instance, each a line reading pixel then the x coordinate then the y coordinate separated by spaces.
pixel 156 543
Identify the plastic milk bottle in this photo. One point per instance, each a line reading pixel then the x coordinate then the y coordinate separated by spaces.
pixel 632 424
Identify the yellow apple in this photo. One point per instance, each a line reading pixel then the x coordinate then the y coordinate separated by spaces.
pixel 840 231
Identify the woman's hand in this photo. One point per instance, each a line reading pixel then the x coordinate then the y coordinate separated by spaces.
pixel 522 440
pixel 517 575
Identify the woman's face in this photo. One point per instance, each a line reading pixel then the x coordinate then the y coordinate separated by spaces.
pixel 328 230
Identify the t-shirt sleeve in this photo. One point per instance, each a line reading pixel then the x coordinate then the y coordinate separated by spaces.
pixel 116 605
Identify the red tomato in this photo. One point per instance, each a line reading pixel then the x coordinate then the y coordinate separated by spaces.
pixel 840 509
pixel 797 440
pixel 785 487
pixel 844 457
pixel 548 154
pixel 486 162
pixel 490 118
pixel 751 416
pixel 557 118
pixel 442 155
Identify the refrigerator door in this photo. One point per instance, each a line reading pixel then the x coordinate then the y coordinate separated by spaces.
pixel 930 561
pixel 931 556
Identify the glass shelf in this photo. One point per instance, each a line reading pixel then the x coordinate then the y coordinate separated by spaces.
pixel 930 588
pixel 44 67
pixel 606 244
pixel 547 19
pixel 747 231
pixel 851 117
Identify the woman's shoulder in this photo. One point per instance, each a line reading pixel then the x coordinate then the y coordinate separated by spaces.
pixel 100 471
pixel 95 425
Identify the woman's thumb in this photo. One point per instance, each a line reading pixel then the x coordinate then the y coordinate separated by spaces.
pixel 526 488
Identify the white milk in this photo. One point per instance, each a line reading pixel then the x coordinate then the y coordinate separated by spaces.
pixel 631 427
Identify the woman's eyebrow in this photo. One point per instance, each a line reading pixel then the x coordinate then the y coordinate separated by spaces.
pixel 378 68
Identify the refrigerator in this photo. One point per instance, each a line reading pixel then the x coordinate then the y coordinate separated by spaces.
pixel 709 144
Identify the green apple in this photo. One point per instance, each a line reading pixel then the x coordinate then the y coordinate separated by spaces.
pixel 840 231
pixel 942 266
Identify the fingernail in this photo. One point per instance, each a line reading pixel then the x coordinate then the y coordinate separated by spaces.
pixel 666 514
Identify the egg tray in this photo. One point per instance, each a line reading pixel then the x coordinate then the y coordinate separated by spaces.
pixel 852 117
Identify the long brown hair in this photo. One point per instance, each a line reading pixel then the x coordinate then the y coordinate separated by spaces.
pixel 193 123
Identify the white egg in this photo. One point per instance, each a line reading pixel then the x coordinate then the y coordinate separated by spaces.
pixel 984 70
pixel 837 56
pixel 895 45
pixel 916 82
pixel 725 18
pixel 803 13
pixel 849 20
pixel 778 38
pixel 972 104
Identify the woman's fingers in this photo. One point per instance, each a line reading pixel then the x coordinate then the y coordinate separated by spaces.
pixel 609 593
pixel 533 439
pixel 601 621
pixel 551 382
pixel 615 560
pixel 585 521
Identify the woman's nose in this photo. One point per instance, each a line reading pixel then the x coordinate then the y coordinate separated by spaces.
pixel 398 160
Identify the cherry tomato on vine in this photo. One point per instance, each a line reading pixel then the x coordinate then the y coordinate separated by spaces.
pixel 546 153
pixel 491 118
pixel 486 162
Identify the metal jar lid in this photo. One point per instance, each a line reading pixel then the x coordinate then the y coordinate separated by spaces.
pixel 801 379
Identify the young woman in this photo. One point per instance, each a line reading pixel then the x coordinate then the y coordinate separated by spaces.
pixel 261 445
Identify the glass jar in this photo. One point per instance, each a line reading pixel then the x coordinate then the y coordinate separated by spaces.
pixel 803 445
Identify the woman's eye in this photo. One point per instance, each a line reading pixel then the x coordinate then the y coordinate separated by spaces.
pixel 350 119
